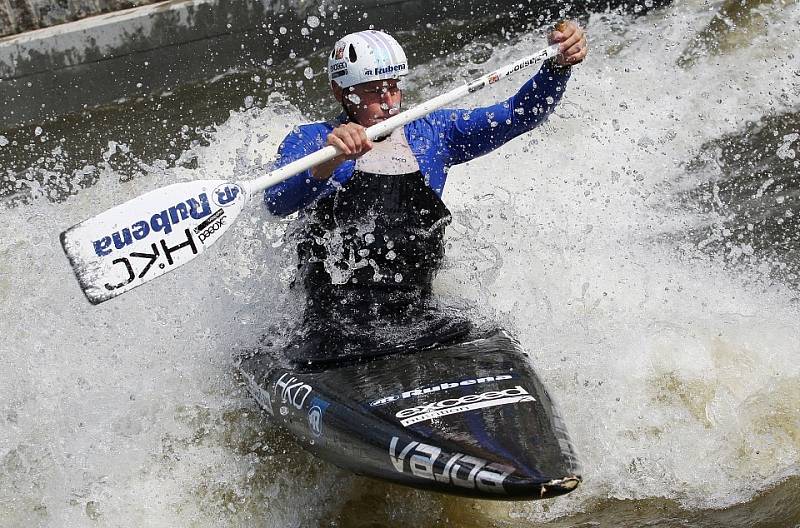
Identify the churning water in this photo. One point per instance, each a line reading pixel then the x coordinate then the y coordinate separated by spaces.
pixel 642 245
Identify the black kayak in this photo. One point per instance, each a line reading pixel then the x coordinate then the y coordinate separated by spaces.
pixel 468 418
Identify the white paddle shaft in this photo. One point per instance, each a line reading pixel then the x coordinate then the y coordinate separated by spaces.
pixel 384 128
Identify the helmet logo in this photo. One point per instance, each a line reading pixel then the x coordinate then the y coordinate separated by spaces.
pixel 339 54
pixel 383 70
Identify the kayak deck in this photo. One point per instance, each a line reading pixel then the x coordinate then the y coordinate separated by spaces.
pixel 469 418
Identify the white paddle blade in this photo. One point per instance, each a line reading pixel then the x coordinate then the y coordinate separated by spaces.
pixel 142 239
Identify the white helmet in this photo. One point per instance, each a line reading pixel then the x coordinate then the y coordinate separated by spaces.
pixel 366 56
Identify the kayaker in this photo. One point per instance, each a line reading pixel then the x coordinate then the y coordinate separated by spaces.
pixel 373 218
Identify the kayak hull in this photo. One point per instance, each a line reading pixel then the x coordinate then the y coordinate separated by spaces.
pixel 469 419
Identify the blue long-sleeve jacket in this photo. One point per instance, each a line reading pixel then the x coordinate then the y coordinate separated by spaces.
pixel 439 140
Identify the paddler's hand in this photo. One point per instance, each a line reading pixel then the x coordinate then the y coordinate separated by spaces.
pixel 572 40
pixel 351 140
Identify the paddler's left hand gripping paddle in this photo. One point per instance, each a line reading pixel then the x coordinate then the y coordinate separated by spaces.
pixel 146 237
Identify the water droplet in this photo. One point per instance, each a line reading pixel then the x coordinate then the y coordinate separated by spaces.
pixel 309 72
pixel 284 410
pixel 369 238
pixel 312 21
pixel 3 141
pixel 305 32
pixel 93 510
pixel 391 255
pixel 398 277
pixel 282 30
pixel 353 98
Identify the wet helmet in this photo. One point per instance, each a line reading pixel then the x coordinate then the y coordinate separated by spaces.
pixel 366 56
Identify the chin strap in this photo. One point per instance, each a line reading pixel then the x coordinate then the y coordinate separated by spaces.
pixel 352 119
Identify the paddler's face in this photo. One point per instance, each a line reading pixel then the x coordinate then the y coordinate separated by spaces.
pixel 372 102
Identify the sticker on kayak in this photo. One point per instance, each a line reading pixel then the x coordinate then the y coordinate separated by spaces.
pixel 315 415
pixel 289 389
pixel 430 462
pixel 437 388
pixel 423 413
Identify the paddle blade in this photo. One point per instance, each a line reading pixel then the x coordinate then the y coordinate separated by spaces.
pixel 146 237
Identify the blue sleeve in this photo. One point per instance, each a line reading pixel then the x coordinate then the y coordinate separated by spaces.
pixel 471 133
pixel 301 189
